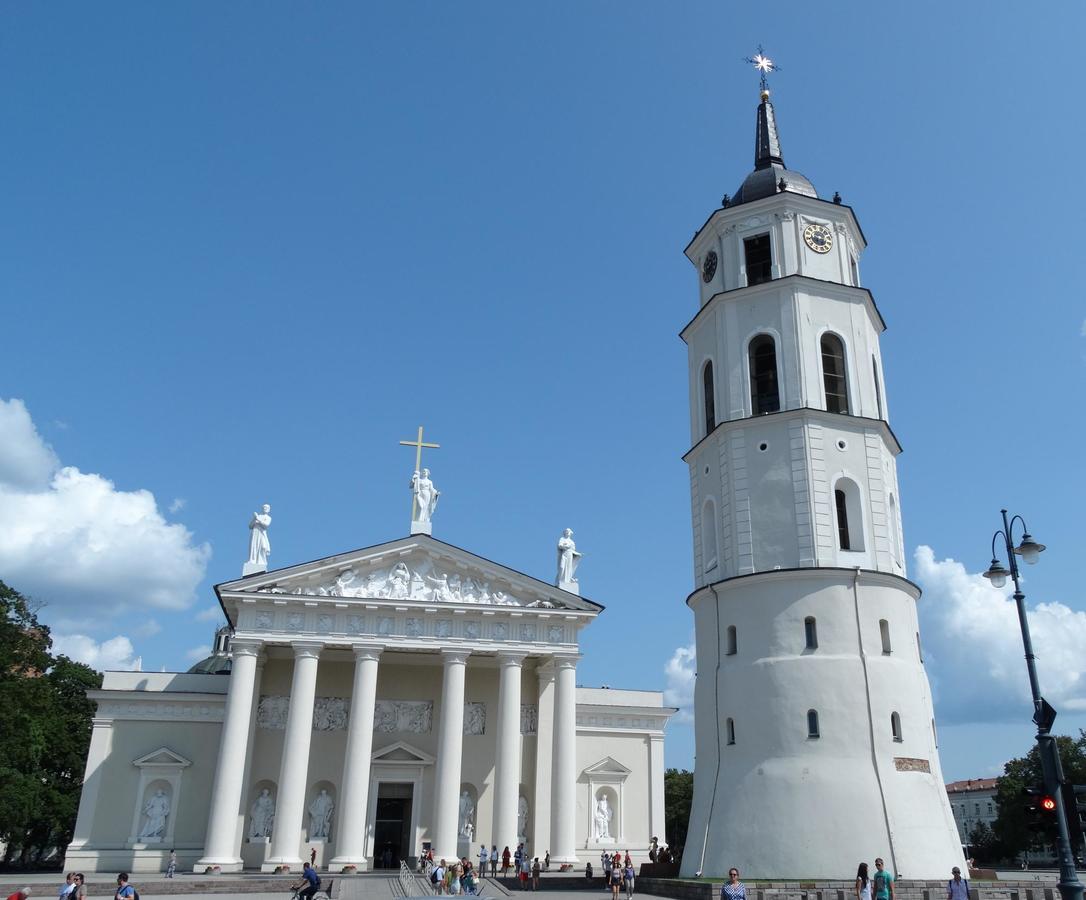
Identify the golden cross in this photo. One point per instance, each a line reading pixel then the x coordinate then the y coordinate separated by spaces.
pixel 418 444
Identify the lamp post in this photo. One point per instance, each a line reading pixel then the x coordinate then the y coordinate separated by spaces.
pixel 1043 714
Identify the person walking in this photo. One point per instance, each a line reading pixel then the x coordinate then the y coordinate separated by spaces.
pixel 547 862
pixel 484 855
pixel 505 860
pixel 79 888
pixel 536 868
pixel 66 888
pixel 615 880
pixel 628 877
pixel 171 866
pixel 525 870
pixel 863 883
pixel 125 891
pixel 437 878
pixel 733 888
pixel 493 860
pixel 957 888
pixel 884 882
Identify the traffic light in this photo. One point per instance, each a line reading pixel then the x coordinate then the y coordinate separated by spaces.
pixel 1040 809
pixel 1074 806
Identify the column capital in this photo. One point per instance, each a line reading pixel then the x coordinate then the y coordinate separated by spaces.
pixel 565 660
pixel 307 649
pixel 511 657
pixel 455 655
pixel 246 647
pixel 367 651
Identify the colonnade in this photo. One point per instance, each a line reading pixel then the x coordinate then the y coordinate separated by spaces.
pixel 222 844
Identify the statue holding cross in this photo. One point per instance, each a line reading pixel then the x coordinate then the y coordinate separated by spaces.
pixel 423 493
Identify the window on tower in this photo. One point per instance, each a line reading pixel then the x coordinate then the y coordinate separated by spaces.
pixel 759 259
pixel 895 726
pixel 733 644
pixel 731 731
pixel 833 373
pixel 841 501
pixel 884 633
pixel 708 536
pixel 810 630
pixel 812 723
pixel 764 393
pixel 708 394
pixel 847 505
pixel 878 387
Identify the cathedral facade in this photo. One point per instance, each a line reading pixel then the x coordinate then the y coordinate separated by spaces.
pixel 370 706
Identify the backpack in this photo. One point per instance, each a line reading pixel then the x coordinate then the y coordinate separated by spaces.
pixel 433 876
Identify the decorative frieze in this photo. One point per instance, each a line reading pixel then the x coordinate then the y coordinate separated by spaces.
pixel 403 716
pixel 911 764
pixel 529 718
pixel 162 710
pixel 474 718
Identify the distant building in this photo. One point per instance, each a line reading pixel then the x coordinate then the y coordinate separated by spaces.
pixel 972 802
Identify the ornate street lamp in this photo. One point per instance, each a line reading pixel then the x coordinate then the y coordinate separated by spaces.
pixel 1043 714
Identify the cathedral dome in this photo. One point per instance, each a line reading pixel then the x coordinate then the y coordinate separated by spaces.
pixel 769 168
pixel 215 664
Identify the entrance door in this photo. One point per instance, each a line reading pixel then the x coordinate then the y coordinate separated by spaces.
pixel 392 826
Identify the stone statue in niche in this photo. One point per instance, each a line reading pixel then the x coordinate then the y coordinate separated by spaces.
pixel 467 810
pixel 320 816
pixel 601 817
pixel 426 496
pixel 259 545
pixel 156 810
pixel 522 820
pixel 261 816
pixel 568 559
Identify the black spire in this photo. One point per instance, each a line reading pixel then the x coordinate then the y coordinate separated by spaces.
pixel 767 145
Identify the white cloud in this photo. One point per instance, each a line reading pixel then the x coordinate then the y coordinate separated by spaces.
pixel 26 461
pixel 146 628
pixel 195 654
pixel 178 504
pixel 115 654
pixel 75 542
pixel 680 671
pixel 973 646
pixel 211 614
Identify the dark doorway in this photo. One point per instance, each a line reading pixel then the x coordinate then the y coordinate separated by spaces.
pixel 392 827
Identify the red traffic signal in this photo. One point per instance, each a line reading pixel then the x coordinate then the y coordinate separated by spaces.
pixel 1048 804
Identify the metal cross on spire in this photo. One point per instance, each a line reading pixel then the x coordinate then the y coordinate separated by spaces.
pixel 764 65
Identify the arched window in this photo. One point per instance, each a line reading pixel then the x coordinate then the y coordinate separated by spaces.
pixel 764 393
pixel 833 373
pixel 810 631
pixel 846 501
pixel 878 387
pixel 884 633
pixel 709 550
pixel 895 726
pixel 812 724
pixel 733 646
pixel 708 395
pixel 731 731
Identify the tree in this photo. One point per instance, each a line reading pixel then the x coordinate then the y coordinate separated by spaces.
pixel 985 847
pixel 47 719
pixel 1012 823
pixel 678 793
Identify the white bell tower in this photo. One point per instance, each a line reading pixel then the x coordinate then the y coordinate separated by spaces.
pixel 815 736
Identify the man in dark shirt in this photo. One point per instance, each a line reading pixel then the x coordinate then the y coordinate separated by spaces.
pixel 309 882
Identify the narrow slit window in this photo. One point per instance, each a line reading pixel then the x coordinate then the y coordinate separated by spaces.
pixel 764 391
pixel 812 724
pixel 895 726
pixel 833 373
pixel 733 645
pixel 758 255
pixel 878 387
pixel 708 534
pixel 810 632
pixel 731 731
pixel 841 502
pixel 855 272
pixel 919 648
pixel 884 633
pixel 709 396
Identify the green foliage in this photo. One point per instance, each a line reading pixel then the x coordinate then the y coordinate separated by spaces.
pixel 986 848
pixel 678 793
pixel 46 732
pixel 1011 826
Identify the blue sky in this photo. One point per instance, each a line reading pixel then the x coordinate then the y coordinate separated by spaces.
pixel 246 248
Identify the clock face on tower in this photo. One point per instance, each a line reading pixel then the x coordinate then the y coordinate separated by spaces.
pixel 818 237
pixel 708 266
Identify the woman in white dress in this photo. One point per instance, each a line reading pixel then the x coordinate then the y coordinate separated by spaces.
pixel 863 885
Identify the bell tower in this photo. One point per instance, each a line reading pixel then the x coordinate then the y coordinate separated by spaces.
pixel 813 713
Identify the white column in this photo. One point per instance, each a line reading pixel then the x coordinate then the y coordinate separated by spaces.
pixel 544 745
pixel 564 780
pixel 508 758
pixel 656 786
pixel 221 846
pixel 290 804
pixel 101 745
pixel 450 745
pixel 354 797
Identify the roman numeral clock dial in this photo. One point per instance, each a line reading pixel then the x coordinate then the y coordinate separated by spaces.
pixel 818 237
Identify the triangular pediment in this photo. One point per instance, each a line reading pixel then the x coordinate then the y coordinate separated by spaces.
pixel 402 752
pixel 415 570
pixel 607 766
pixel 163 757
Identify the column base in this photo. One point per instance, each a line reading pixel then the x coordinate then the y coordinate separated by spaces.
pixel 281 865
pixel 447 854
pixel 210 865
pixel 342 863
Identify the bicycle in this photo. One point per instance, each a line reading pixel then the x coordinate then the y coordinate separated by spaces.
pixel 324 892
